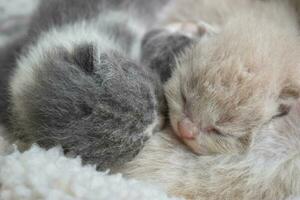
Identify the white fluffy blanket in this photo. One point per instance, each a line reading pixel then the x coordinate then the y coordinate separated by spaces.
pixel 38 174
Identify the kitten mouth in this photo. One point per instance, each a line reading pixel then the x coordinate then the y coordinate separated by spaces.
pixel 187 130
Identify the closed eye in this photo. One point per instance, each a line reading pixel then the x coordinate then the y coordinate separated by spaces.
pixel 214 130
pixel 280 115
pixel 218 132
pixel 283 110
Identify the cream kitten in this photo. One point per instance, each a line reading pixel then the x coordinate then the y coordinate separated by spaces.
pixel 229 85
pixel 270 170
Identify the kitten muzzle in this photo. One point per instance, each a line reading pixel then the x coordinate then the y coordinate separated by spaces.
pixel 187 130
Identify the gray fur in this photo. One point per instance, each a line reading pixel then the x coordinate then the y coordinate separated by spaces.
pixel 58 13
pixel 8 55
pixel 95 101
pixel 159 49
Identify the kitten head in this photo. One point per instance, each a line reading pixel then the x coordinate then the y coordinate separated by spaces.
pixel 86 96
pixel 224 89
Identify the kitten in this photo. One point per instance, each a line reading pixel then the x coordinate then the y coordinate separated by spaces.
pixel 160 47
pixel 229 85
pixel 270 170
pixel 78 82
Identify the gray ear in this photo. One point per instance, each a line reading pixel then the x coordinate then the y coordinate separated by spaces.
pixel 159 49
pixel 83 57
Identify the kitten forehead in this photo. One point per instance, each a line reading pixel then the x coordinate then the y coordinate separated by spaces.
pixel 240 62
pixel 234 87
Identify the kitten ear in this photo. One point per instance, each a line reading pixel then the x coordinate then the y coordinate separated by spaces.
pixel 83 56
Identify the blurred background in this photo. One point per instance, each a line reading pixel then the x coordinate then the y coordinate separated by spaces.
pixel 14 16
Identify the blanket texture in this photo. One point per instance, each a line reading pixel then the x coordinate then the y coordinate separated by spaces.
pixel 48 175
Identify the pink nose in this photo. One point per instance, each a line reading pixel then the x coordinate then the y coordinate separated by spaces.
pixel 187 129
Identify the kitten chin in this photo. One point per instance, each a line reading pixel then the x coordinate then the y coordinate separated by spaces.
pixel 233 83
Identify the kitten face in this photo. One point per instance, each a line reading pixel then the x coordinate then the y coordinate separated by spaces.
pixel 221 92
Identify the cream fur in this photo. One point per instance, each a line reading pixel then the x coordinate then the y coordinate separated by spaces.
pixel 269 171
pixel 237 80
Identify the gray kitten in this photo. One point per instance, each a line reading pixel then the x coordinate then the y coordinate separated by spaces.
pixel 78 82
pixel 160 48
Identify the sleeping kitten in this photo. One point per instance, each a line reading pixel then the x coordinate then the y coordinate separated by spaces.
pixel 270 170
pixel 78 82
pixel 229 85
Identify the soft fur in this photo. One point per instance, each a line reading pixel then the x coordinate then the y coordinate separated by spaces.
pixel 160 48
pixel 269 171
pixel 78 82
pixel 225 88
